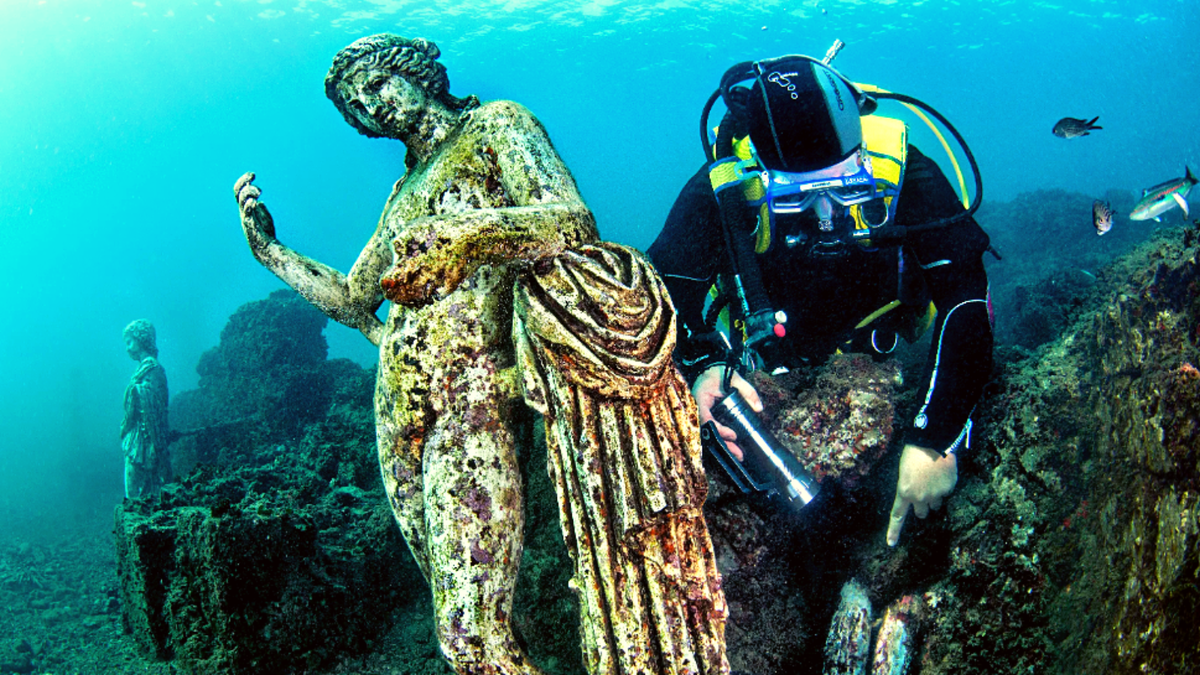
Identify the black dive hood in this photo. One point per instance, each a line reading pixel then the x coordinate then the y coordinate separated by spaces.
pixel 795 86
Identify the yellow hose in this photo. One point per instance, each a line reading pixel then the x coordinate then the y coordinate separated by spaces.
pixel 962 186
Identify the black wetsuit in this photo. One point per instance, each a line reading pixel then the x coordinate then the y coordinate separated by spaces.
pixel 825 297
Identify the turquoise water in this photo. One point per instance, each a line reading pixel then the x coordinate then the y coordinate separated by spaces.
pixel 123 126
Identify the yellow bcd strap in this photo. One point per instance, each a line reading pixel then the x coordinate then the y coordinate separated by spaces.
pixel 885 141
pixel 962 186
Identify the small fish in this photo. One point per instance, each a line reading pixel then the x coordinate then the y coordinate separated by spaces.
pixel 1163 197
pixel 1102 216
pixel 1069 127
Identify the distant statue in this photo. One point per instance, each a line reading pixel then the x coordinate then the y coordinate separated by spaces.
pixel 485 201
pixel 144 431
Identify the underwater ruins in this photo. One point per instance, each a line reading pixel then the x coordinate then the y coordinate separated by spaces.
pixel 1078 500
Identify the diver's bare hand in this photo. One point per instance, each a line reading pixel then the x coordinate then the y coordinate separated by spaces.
pixel 707 391
pixel 256 220
pixel 926 477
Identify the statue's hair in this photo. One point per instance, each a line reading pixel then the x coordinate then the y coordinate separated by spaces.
pixel 415 59
pixel 142 331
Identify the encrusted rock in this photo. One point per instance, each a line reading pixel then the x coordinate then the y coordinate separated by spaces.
pixel 839 423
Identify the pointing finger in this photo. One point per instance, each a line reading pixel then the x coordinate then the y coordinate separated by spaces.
pixel 899 513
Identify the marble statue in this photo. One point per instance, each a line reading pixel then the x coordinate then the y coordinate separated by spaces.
pixel 144 431
pixel 485 203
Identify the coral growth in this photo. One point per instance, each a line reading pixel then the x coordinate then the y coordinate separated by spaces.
pixel 263 383
pixel 1089 502
pixel 783 568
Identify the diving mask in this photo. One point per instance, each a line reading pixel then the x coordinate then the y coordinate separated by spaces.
pixel 796 192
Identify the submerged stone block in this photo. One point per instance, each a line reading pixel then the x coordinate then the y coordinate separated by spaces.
pixel 253 590
pixel 145 560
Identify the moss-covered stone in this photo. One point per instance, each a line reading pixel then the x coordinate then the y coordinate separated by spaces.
pixel 266 380
pixel 278 552
pixel 258 589
pixel 1084 558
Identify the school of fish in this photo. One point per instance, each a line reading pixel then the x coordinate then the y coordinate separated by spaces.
pixel 1154 201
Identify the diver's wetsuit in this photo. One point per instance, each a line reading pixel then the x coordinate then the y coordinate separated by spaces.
pixel 824 298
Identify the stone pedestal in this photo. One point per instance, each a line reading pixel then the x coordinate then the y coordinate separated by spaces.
pixel 236 590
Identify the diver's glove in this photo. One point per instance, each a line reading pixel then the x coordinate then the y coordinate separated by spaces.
pixel 701 351
pixel 765 331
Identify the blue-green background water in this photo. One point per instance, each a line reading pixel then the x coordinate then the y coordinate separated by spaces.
pixel 123 126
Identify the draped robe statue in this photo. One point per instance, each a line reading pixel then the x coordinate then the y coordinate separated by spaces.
pixel 486 203
pixel 595 330
pixel 144 430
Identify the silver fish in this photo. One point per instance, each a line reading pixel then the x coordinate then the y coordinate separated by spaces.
pixel 1163 197
pixel 1102 216
pixel 1069 127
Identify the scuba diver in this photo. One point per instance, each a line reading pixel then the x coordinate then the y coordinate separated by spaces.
pixel 815 227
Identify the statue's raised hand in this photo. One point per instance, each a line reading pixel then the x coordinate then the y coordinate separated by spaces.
pixel 256 220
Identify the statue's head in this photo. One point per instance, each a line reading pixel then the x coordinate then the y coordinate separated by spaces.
pixel 414 59
pixel 140 332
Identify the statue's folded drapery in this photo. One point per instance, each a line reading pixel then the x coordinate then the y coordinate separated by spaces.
pixel 144 432
pixel 595 330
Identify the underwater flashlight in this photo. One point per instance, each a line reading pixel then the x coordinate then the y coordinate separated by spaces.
pixel 766 463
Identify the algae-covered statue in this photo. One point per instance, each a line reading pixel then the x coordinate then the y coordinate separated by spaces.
pixel 144 431
pixel 485 201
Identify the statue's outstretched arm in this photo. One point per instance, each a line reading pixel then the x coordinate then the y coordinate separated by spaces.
pixel 342 298
pixel 436 253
